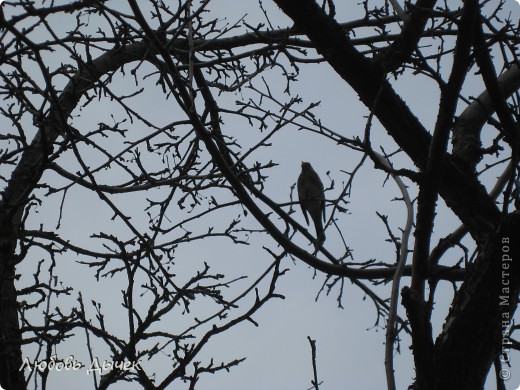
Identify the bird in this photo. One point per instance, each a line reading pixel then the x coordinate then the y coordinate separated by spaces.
pixel 312 199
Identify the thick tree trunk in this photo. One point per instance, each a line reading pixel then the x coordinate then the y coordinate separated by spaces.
pixel 11 377
pixel 477 326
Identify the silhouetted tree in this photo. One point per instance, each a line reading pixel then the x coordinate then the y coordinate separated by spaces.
pixel 165 180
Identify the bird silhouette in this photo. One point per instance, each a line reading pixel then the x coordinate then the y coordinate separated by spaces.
pixel 312 198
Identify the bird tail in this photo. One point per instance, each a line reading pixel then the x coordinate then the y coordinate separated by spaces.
pixel 320 234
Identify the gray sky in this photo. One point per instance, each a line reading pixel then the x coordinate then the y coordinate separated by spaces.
pixel 350 350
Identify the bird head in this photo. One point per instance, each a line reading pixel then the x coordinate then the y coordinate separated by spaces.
pixel 306 165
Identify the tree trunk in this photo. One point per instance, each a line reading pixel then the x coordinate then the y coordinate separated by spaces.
pixel 476 329
pixel 11 378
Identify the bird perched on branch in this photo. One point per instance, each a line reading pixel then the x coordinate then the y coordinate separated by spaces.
pixel 312 199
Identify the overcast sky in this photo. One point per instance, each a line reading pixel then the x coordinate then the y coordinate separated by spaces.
pixel 350 348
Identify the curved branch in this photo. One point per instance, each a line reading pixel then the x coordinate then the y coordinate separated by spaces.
pixel 33 161
pixel 467 146
pixel 403 255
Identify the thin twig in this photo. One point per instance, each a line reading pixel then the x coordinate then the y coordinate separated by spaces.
pixel 314 382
